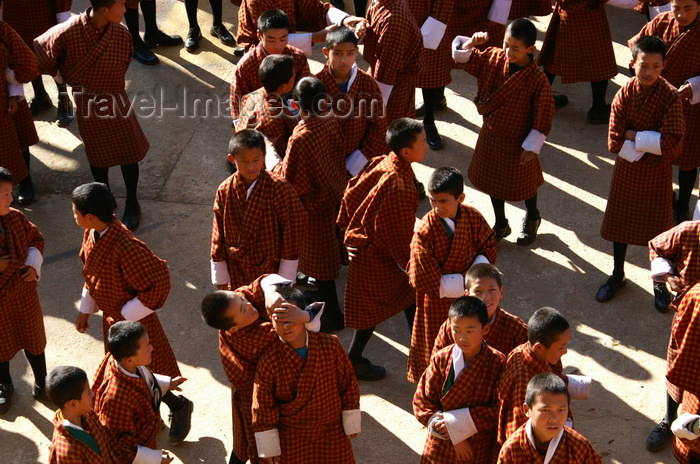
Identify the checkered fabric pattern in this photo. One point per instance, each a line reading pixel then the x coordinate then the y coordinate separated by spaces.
pixel 94 65
pixel 687 451
pixel 573 448
pixel 267 114
pixel 506 332
pixel 24 126
pixel 643 5
pixel 31 18
pixel 66 449
pixel 363 128
pixel 304 400
pixel 525 8
pixel 438 62
pixel 245 76
pixel 120 267
pixel 394 51
pixel 125 406
pixel 468 18
pixel 475 388
pixel 253 234
pixel 680 246
pixel 315 166
pixel 682 63
pixel 682 368
pixel 377 215
pixel 511 107
pixel 22 324
pixel 434 253
pixel 304 16
pixel 641 194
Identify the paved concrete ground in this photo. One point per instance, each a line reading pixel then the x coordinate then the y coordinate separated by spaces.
pixel 622 344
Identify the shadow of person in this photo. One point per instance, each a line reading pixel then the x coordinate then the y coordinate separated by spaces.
pixel 205 449
pixel 379 444
pixel 18 448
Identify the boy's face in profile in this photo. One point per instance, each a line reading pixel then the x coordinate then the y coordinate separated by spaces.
pixel 685 11
pixel 548 415
pixel 516 50
pixel 115 12
pixel 468 333
pixel 240 312
pixel 80 219
pixel 274 40
pixel 445 204
pixel 341 57
pixel 249 162
pixel 84 405
pixel 556 350
pixel 143 354
pixel 647 68
pixel 417 152
pixel 489 291
pixel 5 198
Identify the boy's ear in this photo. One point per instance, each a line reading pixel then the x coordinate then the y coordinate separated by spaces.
pixel 538 346
pixel 230 157
pixel 325 52
pixel 531 49
pixel 260 37
pixel 462 196
pixel 486 329
pixel 632 63
pixel 526 409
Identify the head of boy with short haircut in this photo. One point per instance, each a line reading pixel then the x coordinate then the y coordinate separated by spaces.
pixel 341 52
pixel 547 406
pixel 685 11
pixel 228 311
pixel 309 94
pixel 293 333
pixel 273 31
pixel 246 150
pixel 519 42
pixel 548 333
pixel 68 388
pixel 483 280
pixel 406 138
pixel 648 57
pixel 276 72
pixel 93 205
pixel 111 10
pixel 469 323
pixel 446 192
pixel 129 344
pixel 6 181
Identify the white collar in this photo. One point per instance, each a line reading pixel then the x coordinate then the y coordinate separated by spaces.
pixel 250 189
pixel 457 360
pixel 450 223
pixel 351 79
pixel 67 423
pixel 125 371
pixel 101 233
pixel 552 444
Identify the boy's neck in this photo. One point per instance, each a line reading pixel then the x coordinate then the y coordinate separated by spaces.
pixel 540 444
pixel 494 313
pixel 535 355
pixel 97 20
pixel 101 226
pixel 340 79
pixel 130 369
pixel 72 417
pixel 469 357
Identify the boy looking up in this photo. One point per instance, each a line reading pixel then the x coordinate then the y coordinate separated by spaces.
pixel 450 239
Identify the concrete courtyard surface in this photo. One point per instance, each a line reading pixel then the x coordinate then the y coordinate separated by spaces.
pixel 181 105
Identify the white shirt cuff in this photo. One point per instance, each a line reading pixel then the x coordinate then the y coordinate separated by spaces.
pixel 10 77
pixel 335 16
pixel 499 11
pixel 629 153
pixel 288 269
pixel 163 382
pixel 696 212
pixel 269 281
pixel 431 426
pixel 34 259
pixel 627 4
pixel 459 55
pixel 147 455
pixel 480 259
pixel 272 158
pixel 695 86
pixel 679 427
pixel 534 141
pixel 355 162
pixel 451 286
pixel 62 17
pixel 655 11
pixel 648 142
pixel 386 91
pixel 660 267
pixel 268 443
pixel 88 305
pixel 314 325
pixel 579 386
pixel 219 273
pixel 302 41
pixel 352 421
pixel 460 424
pixel 134 310
pixel 432 31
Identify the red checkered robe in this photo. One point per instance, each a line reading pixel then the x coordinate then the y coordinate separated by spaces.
pixel 24 126
pixel 15 130
pixel 120 267
pixel 436 69
pixel 394 51
pixel 268 115
pixel 573 448
pixel 315 166
pixel 475 388
pixel 641 194
pixel 522 365
pixel 252 235
pixel 434 253
pixel 304 15
pixel 525 8
pixel 682 63
pixel 66 449
pixel 21 321
pixel 643 5
pixel 360 113
pixel 31 18
pixel 304 400
pixel 506 332
pixel 245 76
pixel 94 64
pixel 511 107
pixel 684 346
pixel 468 18
pixel 377 215
pixel 124 405
pixel 688 451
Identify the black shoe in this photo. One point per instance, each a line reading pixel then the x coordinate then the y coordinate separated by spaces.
pixel 223 34
pixel 433 137
pixel 680 216
pixel 64 114
pixel 238 51
pixel 193 37
pixel 439 106
pixel 660 436
pixel 180 421
pixel 39 104
pixel 365 370
pixel 560 101
pixel 145 56
pixel 598 115
pixel 501 232
pixel 528 233
pixel 26 191
pixel 662 297
pixel 39 393
pixel 132 215
pixel 421 189
pixel 607 291
pixel 6 391
pixel 161 38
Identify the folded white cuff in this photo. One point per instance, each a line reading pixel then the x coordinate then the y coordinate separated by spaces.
pixel 480 259
pixel 147 455
pixel 579 386
pixel 301 40
pixel 268 443
pixel 534 141
pixel 134 310
pixel 386 91
pixel 460 424
pixel 335 16
pixel 695 86
pixel 352 421
pixel 219 273
pixel 34 259
pixel 62 17
pixel 648 142
pixel 627 4
pixel 314 325
pixel 655 11
pixel 355 162
pixel 679 427
pixel 451 286
pixel 432 31
pixel 431 425
pixel 272 158
pixel 459 55
pixel 499 11
pixel 163 382
pixel 629 153
pixel 288 269
pixel 270 281
pixel 10 76
pixel 88 305
pixel 660 267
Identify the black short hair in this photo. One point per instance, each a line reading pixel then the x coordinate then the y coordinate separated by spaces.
pixel 214 308
pixel 245 140
pixel 65 383
pixel 523 29
pixel 340 35
pixel 96 199
pixel 292 295
pixel 123 338
pixel 402 133
pixel 309 93
pixel 446 180
pixel 545 382
pixel 545 326
pixel 469 306
pixel 6 176
pixel 273 19
pixel 649 44
pixel 275 70
pixel 483 271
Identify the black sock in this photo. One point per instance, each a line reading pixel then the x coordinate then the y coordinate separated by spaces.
pixel 100 174
pixel 329 295
pixel 235 459
pixel 671 409
pixel 360 7
pixel 174 402
pixel 598 89
pixel 550 76
pixel 5 378
pixel 686 183
pixel 27 156
pixel 619 253
pixel 131 18
pixel 360 338
pixel 431 97
pixel 38 364
pixel 38 86
pixel 499 209
pixel 148 8
pixel 532 212
pixel 216 12
pixel 63 95
pixel 191 9
pixel 410 313
pixel 130 173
